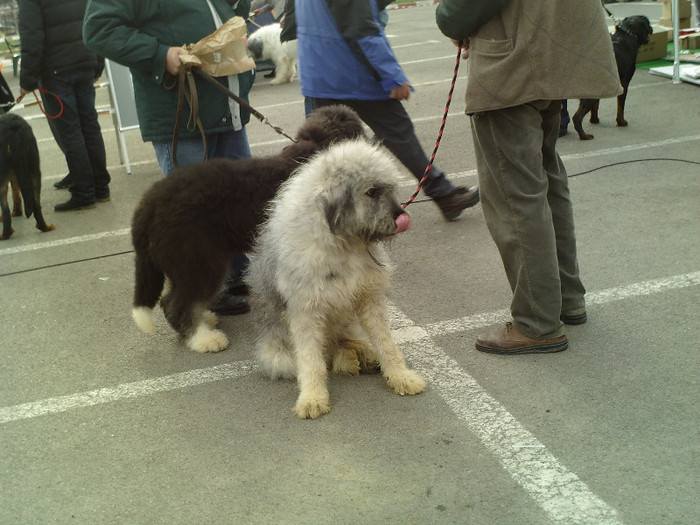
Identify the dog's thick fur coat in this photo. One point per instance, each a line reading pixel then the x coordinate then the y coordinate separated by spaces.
pixel 319 274
pixel 189 224
pixel 265 44
pixel 19 164
pixel 632 32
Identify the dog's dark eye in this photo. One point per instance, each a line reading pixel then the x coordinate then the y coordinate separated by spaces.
pixel 374 192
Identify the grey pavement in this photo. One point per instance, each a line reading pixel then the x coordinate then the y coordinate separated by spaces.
pixel 102 424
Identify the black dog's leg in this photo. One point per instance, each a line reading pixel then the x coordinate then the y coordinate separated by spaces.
pixel 585 105
pixel 6 216
pixel 16 197
pixel 594 112
pixel 41 224
pixel 179 312
pixel 621 109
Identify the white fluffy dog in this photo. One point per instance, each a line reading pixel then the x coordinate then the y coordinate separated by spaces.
pixel 265 44
pixel 319 274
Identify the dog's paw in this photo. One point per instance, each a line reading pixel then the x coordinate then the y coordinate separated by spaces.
pixel 407 382
pixel 3 238
pixel 49 227
pixel 311 407
pixel 621 122
pixel 207 340
pixel 143 317
pixel 210 318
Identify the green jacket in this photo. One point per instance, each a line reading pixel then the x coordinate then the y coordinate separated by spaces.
pixel 535 50
pixel 138 33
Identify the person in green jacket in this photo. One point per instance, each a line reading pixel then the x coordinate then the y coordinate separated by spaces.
pixel 147 36
pixel 524 59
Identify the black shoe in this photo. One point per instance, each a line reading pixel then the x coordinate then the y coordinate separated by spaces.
pixel 73 205
pixel 575 318
pixel 462 198
pixel 562 131
pixel 236 287
pixel 226 304
pixel 64 183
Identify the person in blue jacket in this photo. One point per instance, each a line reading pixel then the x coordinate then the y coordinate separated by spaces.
pixel 345 58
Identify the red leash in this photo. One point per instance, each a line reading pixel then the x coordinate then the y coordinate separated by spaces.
pixel 442 128
pixel 44 92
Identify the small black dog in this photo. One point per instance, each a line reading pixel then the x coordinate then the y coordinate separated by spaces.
pixel 19 164
pixel 631 33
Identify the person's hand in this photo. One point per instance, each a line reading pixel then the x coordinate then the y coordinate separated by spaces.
pixel 260 10
pixel 401 92
pixel 465 47
pixel 172 60
pixel 22 92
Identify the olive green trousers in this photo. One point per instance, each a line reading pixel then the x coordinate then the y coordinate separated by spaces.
pixel 525 198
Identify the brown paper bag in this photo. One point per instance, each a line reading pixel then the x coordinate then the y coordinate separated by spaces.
pixel 223 52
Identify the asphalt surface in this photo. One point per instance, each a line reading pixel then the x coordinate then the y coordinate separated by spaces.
pixel 100 423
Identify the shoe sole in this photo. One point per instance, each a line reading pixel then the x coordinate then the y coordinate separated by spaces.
pixel 83 207
pixel 104 199
pixel 233 311
pixel 550 348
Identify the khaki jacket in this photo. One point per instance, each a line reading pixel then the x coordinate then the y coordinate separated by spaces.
pixel 541 50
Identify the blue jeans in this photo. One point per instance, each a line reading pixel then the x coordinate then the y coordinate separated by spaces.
pixel 79 131
pixel 228 144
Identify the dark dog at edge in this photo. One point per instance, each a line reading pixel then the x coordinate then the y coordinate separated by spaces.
pixel 188 225
pixel 19 165
pixel 629 35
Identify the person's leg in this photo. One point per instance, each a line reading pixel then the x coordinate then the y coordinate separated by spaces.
pixel 92 133
pixel 572 289
pixel 514 188
pixel 392 125
pixel 232 145
pixel 68 127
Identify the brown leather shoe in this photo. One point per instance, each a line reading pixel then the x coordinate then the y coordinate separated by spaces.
pixel 454 204
pixel 508 340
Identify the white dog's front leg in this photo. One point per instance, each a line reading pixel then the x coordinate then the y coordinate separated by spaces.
pixel 374 317
pixel 308 337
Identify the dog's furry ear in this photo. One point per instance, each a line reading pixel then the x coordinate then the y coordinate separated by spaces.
pixel 335 207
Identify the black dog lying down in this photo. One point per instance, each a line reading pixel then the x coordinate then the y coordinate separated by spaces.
pixel 19 164
pixel 188 225
pixel 632 32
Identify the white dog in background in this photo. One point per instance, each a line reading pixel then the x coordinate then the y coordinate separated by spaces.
pixel 265 44
pixel 319 274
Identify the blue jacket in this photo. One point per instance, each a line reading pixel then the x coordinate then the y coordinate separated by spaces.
pixel 343 51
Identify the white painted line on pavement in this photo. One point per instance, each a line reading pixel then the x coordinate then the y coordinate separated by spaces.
pixel 619 293
pixel 125 391
pixel 560 493
pixel 65 242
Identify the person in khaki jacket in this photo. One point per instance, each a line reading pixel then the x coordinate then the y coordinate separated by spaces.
pixel 522 62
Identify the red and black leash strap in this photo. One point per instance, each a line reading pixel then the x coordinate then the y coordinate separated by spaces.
pixel 46 92
pixel 442 128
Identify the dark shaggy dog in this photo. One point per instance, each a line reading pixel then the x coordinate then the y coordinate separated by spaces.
pixel 19 164
pixel 188 225
pixel 632 32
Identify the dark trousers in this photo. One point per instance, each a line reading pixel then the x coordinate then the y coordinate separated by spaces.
pixel 393 127
pixel 525 198
pixel 79 131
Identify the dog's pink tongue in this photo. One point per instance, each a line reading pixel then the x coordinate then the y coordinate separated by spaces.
pixel 403 223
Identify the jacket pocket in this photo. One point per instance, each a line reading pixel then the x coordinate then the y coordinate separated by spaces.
pixel 491 48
